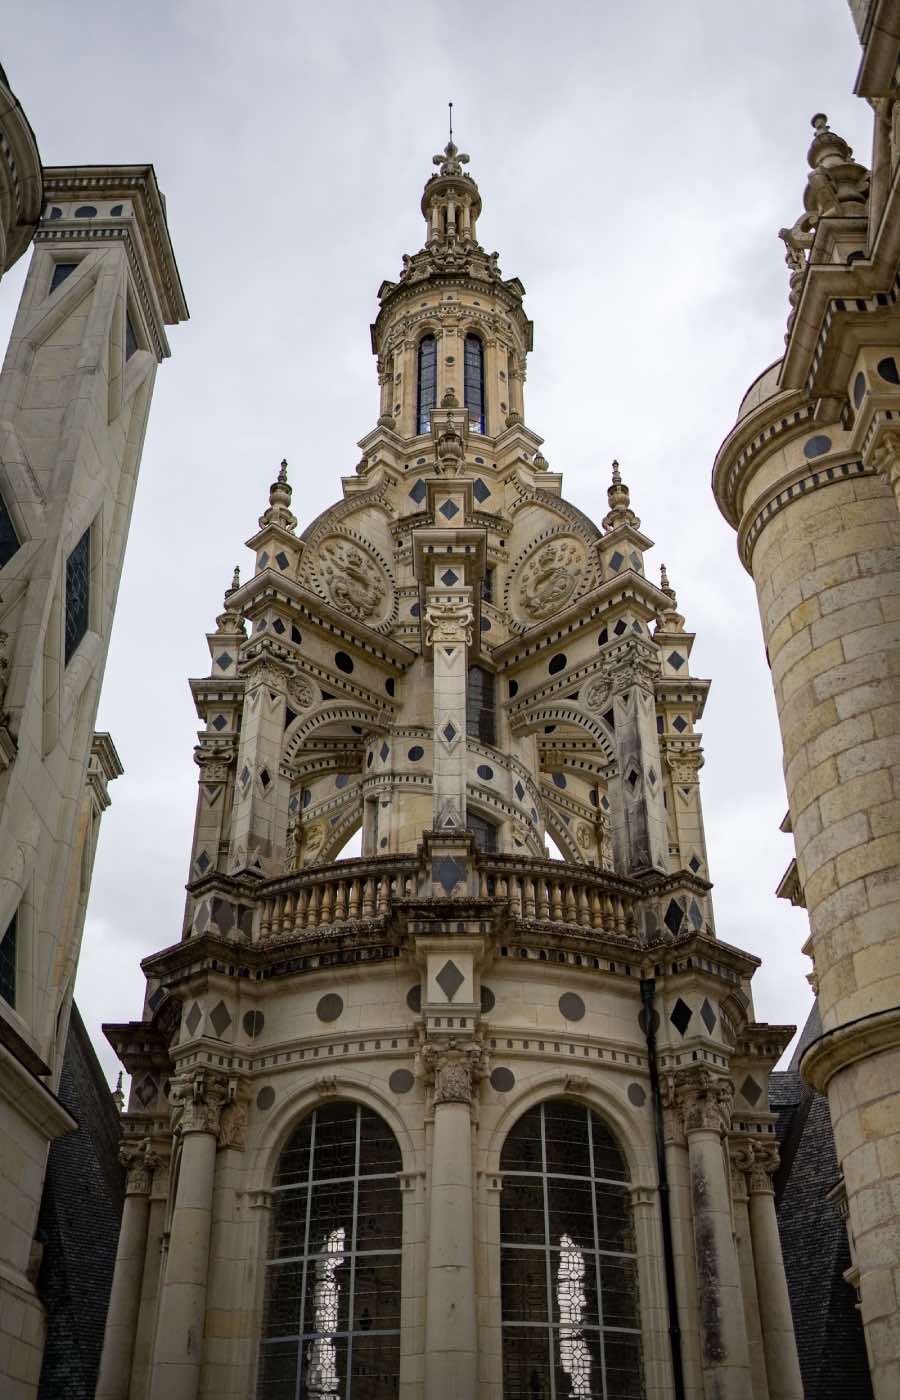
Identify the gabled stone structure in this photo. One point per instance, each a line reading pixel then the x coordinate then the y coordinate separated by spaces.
pixel 398 1122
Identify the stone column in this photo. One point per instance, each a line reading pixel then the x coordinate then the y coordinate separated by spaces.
pixel 150 1282
pixel 782 1365
pixel 178 1352
pixel 705 1101
pixel 451 1334
pixel 125 1296
pixel 741 1161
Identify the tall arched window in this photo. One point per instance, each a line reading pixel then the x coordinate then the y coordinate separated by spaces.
pixel 480 706
pixel 331 1318
pixel 473 380
pixel 426 383
pixel 568 1272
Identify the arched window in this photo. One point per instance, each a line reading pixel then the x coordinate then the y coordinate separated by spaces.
pixel 568 1272
pixel 473 379
pixel 426 383
pixel 331 1318
pixel 480 710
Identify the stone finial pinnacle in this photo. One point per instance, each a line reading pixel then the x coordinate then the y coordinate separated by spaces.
pixel 663 578
pixel 282 471
pixel 616 474
pixel 451 160
pixel 118 1094
pixel 235 580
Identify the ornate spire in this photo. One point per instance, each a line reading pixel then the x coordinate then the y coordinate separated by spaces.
pixel 670 619
pixel 619 497
pixel 279 512
pixel 230 620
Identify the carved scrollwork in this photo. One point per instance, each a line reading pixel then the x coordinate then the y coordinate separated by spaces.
pixel 449 622
pixel 765 1164
pixel 701 1099
pixel 197 1100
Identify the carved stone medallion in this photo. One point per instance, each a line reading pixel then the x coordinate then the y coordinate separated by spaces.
pixel 549 579
pixel 350 578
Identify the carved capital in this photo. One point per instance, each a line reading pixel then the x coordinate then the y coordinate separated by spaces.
pixel 702 1099
pixel 140 1162
pixel 764 1167
pixel 884 456
pixel 213 757
pixel 197 1099
pixel 449 622
pixel 453 1068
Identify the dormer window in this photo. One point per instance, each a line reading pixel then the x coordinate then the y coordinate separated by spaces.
pixel 426 383
pixel 473 366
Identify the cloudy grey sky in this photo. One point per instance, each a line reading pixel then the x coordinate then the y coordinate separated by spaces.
pixel 635 161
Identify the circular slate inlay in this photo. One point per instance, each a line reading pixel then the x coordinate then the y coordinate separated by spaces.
pixel 571 1006
pixel 415 753
pixel 557 663
pixel 816 446
pixel 859 389
pixel 654 1021
pixel 502 1079
pixel 343 662
pixel 488 1001
pixel 485 771
pixel 887 369
pixel 401 1081
pixel 636 1095
pixel 414 998
pixel 253 1023
pixel 265 1098
pixel 329 1007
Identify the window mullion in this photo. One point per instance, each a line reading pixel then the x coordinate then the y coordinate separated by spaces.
pixel 352 1260
pixel 310 1176
pixel 547 1266
pixel 590 1138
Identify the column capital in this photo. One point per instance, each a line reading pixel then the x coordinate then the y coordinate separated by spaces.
pixel 701 1098
pixel 449 622
pixel 198 1098
pixel 766 1160
pixel 453 1068
pixel 140 1162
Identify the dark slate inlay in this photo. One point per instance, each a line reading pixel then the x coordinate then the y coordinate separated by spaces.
pixel 636 1095
pixel 279 626
pixel 220 1019
pixel 480 490
pixel 415 753
pixel 695 914
pixel 390 685
pixel 708 1016
pixel 502 1079
pixel 559 780
pixel 681 1016
pixel 620 627
pixel 571 1006
pixel 680 724
pixel 414 998
pixel 193 1018
pixel 296 635
pixel 401 1081
pixel 329 1007
pixel 448 872
pixel 513 689
pixel 859 389
pixel 815 446
pixel 485 624
pixel 220 721
pixel 384 751
pixel 146 1090
pixel 225 660
pixel 887 369
pixel 695 864
pixel 281 559
pixel 675 660
pixel 751 1091
pixel 253 1023
pixel 557 663
pixel 448 578
pixel 203 862
pixel 485 771
pixel 419 491
pixel 520 791
pixel 342 780
pixel 616 560
pixel 449 731
pixel 343 662
pixel 449 979
pixel 674 916
pixel 265 1098
pixel 488 1000
pixel 449 509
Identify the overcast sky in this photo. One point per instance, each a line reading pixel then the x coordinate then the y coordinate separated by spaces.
pixel 635 162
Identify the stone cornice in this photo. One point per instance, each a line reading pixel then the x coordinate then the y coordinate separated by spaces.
pixel 845 1045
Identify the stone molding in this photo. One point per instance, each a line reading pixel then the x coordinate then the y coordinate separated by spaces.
pixel 844 1045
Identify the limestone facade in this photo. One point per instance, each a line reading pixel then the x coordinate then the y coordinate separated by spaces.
pixel 450 1119
pixel 809 479
pixel 75 392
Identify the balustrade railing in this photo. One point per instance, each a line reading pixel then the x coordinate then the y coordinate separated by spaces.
pixel 350 891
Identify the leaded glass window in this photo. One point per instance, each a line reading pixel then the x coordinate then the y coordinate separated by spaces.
pixel 480 710
pixel 8 947
pixel 78 593
pixel 473 366
pixel 426 384
pixel 9 539
pixel 568 1271
pixel 484 832
pixel 331 1317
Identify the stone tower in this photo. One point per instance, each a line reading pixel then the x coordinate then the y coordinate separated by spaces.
pixel 809 477
pixel 451 1119
pixel 75 393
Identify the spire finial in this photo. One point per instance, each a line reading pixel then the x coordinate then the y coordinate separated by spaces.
pixel 663 578
pixel 616 474
pixel 235 579
pixel 282 471
pixel 118 1094
pixel 450 105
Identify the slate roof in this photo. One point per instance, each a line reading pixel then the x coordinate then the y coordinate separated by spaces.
pixel 814 1238
pixel 79 1225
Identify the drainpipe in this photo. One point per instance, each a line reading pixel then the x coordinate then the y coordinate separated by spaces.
pixel 648 987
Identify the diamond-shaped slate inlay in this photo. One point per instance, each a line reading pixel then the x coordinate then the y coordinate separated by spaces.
pixel 695 914
pixel 675 660
pixel 384 752
pixel 281 559
pixel 681 1016
pixel 146 1090
pixel 448 873
pixel 695 864
pixel 632 779
pixel 651 774
pixel 419 491
pixel 220 1019
pixel 245 774
pixel 520 791
pixel 616 559
pixel 450 979
pixel 219 722
pixel 673 917
pixel 635 561
pixel 193 1018
pixel 203 862
pixel 224 660
pixel 751 1091
pixel 449 731
pixel 480 491
pixel 679 723
pixel 449 509
pixel 448 578
pixel 708 1016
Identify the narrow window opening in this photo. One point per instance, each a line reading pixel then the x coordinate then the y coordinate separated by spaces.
pixel 61 271
pixel 78 593
pixel 8 949
pixel 9 539
pixel 483 832
pixel 131 341
pixel 473 359
pixel 426 383
pixel 487 586
pixel 480 706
